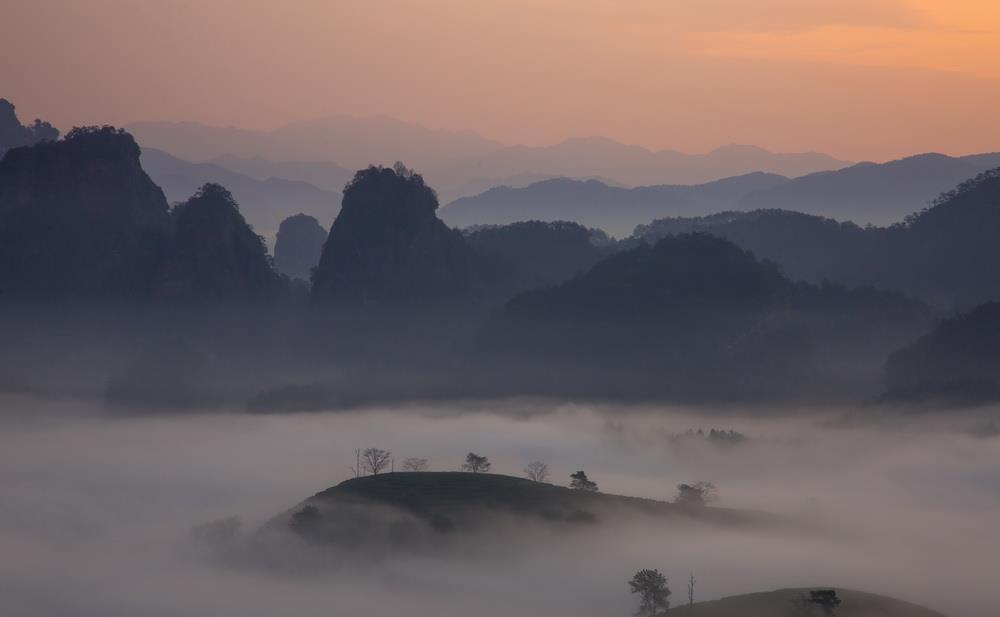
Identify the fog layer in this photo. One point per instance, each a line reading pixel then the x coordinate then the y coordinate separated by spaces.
pixel 96 514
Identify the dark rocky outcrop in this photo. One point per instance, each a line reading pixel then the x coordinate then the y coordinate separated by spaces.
pixel 298 246
pixel 387 246
pixel 14 135
pixel 213 255
pixel 79 218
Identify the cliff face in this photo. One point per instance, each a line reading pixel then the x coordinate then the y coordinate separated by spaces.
pixel 298 246
pixel 387 246
pixel 79 218
pixel 213 256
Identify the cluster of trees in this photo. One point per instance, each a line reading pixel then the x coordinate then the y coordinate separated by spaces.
pixel 695 494
pixel 654 594
pixel 372 461
pixel 715 436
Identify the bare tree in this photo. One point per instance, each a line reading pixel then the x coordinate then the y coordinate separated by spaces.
pixel 356 469
pixel 415 464
pixel 476 463
pixel 581 482
pixel 696 494
pixel 691 593
pixel 375 460
pixel 537 471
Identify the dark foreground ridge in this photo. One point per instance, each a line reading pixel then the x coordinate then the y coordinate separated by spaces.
pixel 794 603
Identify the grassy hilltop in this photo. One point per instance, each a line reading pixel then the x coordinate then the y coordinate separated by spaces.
pixel 789 603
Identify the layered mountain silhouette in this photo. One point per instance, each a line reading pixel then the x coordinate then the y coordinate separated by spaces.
pixel 387 246
pixel 325 175
pixel 593 203
pixel 14 135
pixel 807 247
pixel 880 194
pixel 944 254
pixel 712 319
pixel 298 246
pixel 213 256
pixel 79 218
pixel 265 203
pixel 457 163
pixel 351 141
pixel 864 193
pixel 957 362
pixel 634 165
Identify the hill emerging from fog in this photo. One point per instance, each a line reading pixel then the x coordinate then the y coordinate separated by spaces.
pixel 447 501
pixel 789 603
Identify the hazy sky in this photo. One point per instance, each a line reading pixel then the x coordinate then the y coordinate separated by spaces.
pixel 855 78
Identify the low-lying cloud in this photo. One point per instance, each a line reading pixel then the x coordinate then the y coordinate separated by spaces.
pixel 96 512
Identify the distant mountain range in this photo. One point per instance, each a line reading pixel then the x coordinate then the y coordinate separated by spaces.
pixel 264 203
pixel 350 141
pixel 595 204
pixel 880 194
pixel 636 166
pixel 875 193
pixel 456 163
pixel 326 175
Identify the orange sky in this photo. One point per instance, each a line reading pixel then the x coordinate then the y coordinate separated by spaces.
pixel 860 79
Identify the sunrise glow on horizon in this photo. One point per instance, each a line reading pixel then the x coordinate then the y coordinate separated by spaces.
pixel 857 79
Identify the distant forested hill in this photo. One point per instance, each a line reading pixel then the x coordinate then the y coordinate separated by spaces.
pixel 945 255
pixel 959 361
pixel 704 319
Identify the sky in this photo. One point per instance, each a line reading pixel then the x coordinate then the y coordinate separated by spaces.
pixel 858 79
